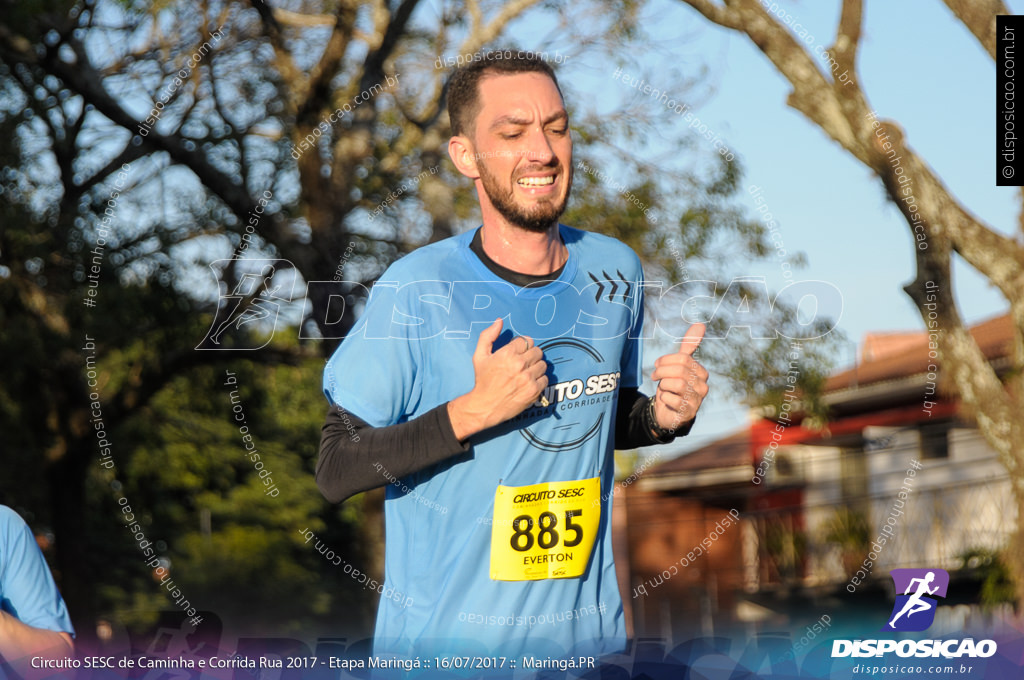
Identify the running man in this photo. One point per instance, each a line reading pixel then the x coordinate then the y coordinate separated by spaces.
pixel 493 374
pixel 915 604
pixel 260 306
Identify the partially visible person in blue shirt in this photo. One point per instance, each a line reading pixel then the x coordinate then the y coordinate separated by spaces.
pixel 33 618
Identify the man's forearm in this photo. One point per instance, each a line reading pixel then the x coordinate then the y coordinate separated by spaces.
pixel 19 640
pixel 356 457
pixel 465 421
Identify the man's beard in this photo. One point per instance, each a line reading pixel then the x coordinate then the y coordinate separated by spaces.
pixel 538 218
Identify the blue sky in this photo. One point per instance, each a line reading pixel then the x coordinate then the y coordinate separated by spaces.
pixel 920 67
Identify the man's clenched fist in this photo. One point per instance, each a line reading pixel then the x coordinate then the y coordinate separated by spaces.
pixel 506 382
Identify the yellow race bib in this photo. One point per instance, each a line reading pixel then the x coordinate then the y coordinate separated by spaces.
pixel 544 530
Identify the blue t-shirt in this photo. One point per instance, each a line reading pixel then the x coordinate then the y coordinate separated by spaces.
pixel 27 590
pixel 410 351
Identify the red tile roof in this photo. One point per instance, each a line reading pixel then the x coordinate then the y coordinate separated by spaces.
pixel 900 355
pixel 726 452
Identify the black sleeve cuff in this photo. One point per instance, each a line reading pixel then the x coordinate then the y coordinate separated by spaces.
pixel 635 425
pixel 443 422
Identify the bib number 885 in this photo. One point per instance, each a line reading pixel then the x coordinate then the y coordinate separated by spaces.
pixel 547 535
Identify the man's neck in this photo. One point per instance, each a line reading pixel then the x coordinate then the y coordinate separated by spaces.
pixel 526 252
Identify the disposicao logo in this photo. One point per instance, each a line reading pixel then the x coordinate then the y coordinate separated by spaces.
pixel 914 611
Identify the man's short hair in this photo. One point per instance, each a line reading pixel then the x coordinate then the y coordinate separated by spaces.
pixel 464 90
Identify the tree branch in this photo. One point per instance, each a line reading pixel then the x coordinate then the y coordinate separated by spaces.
pixel 373 65
pixel 291 76
pixel 979 16
pixel 317 91
pixel 848 36
pixel 82 78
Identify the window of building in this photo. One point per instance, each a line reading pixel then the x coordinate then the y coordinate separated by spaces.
pixel 934 440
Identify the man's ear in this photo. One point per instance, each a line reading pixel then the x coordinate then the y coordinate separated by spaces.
pixel 461 151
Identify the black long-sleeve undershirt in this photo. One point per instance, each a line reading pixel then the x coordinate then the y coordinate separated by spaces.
pixel 356 457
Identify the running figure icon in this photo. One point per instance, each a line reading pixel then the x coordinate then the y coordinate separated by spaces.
pixel 259 297
pixel 915 603
pixel 917 592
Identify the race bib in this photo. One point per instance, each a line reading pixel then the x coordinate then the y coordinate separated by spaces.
pixel 544 530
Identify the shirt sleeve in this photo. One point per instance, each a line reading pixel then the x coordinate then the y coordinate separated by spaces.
pixel 375 371
pixel 27 589
pixel 355 457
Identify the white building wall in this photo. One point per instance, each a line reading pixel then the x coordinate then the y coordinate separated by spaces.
pixel 952 504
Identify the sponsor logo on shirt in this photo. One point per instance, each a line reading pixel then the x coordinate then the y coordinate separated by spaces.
pixel 579 404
